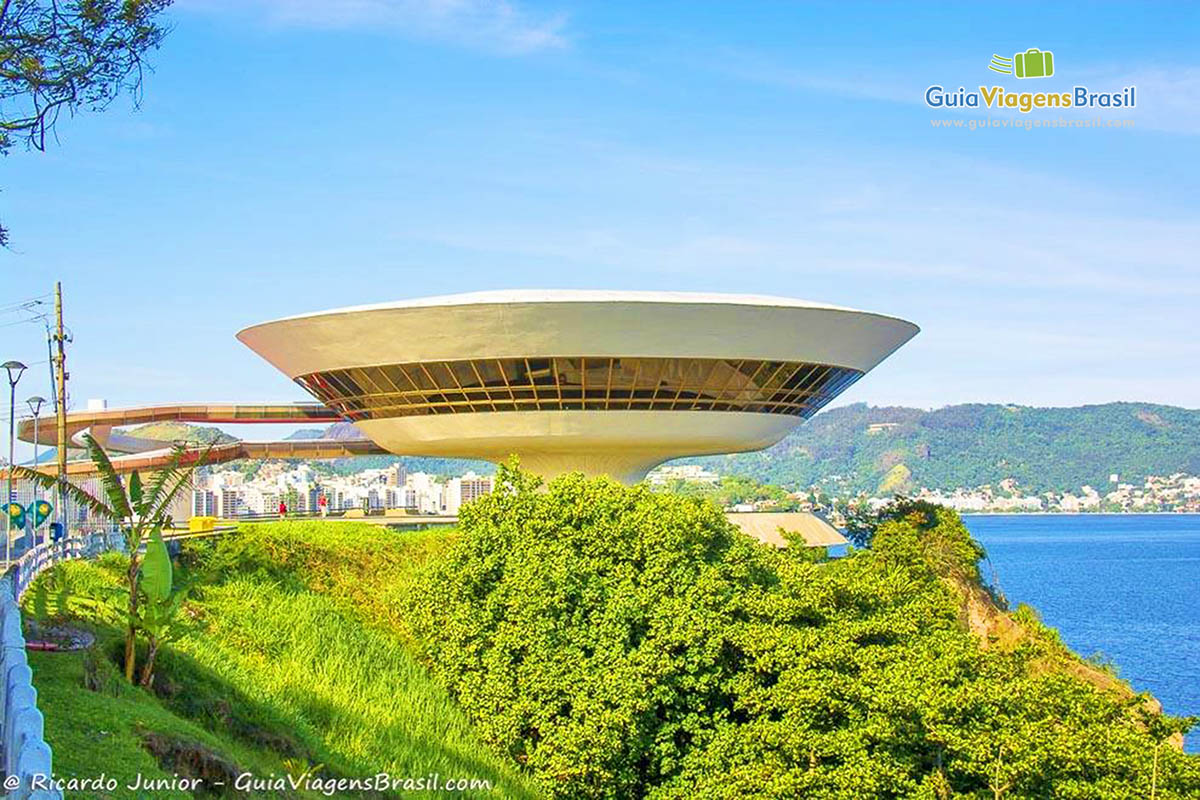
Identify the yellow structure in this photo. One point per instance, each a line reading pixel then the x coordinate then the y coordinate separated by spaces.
pixel 769 527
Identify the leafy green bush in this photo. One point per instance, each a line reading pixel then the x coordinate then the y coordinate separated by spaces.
pixel 587 630
pixel 625 644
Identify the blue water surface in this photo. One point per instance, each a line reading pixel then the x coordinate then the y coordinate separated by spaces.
pixel 1126 586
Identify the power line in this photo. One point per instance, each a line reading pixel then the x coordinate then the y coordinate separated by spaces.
pixel 29 302
pixel 23 305
pixel 22 322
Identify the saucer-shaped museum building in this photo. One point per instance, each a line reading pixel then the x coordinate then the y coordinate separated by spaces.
pixel 601 382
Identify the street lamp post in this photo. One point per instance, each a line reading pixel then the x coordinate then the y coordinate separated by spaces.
pixel 35 405
pixel 14 370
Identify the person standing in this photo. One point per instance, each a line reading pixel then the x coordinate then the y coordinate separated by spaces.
pixel 282 509
pixel 323 505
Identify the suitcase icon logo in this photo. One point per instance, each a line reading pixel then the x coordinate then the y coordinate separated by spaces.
pixel 1033 63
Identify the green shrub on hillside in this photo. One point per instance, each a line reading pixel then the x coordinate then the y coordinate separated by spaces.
pixel 625 644
pixel 587 630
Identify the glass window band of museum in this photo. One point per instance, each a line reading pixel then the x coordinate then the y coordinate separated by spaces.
pixel 599 383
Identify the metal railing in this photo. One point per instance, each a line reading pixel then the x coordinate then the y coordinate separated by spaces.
pixel 25 757
pixel 24 754
pixel 35 560
pixel 272 516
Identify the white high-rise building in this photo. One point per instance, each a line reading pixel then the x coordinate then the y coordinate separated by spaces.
pixel 204 503
pixel 229 502
pixel 460 491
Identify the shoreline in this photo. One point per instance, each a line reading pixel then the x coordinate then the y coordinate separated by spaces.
pixel 1079 513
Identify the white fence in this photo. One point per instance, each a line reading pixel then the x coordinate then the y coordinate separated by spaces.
pixel 24 754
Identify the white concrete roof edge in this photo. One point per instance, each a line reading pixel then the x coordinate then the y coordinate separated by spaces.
pixel 525 296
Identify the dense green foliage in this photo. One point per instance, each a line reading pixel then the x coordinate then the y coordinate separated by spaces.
pixel 292 662
pixel 733 489
pixel 622 643
pixel 1044 449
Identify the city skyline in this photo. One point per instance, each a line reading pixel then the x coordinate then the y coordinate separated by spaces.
pixel 559 146
pixel 230 492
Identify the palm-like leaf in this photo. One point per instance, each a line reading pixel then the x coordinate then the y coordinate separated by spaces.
pixel 139 510
pixel 109 478
pixel 78 495
pixel 182 481
pixel 174 480
pixel 163 477
pixel 156 569
pixel 136 496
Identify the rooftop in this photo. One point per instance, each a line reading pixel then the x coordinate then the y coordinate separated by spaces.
pixel 528 296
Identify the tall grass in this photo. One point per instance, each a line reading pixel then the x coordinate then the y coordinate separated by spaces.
pixel 297 653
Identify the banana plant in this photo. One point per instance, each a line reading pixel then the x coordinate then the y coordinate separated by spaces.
pixel 141 510
pixel 161 601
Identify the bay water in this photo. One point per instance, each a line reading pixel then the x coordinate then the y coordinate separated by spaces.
pixel 1124 586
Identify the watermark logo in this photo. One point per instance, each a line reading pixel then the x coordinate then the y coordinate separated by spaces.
pixel 1033 63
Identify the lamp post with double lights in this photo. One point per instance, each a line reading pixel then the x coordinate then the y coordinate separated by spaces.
pixel 14 370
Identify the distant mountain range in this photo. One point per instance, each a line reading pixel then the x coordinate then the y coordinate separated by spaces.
pixel 338 430
pixel 888 449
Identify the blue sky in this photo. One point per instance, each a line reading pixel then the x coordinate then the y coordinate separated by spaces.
pixel 295 156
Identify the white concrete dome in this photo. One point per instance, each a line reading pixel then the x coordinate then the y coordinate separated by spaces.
pixel 603 382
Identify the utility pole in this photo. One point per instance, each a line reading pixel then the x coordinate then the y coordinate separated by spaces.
pixel 60 398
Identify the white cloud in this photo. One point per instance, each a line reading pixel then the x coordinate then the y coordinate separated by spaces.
pixel 492 25
pixel 867 83
pixel 868 220
pixel 1167 99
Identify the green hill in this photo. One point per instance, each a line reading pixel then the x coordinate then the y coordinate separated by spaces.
pixel 891 448
pixel 430 464
pixel 864 448
pixel 181 431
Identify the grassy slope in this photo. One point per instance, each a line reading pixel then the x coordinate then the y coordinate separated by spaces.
pixel 99 733
pixel 276 670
